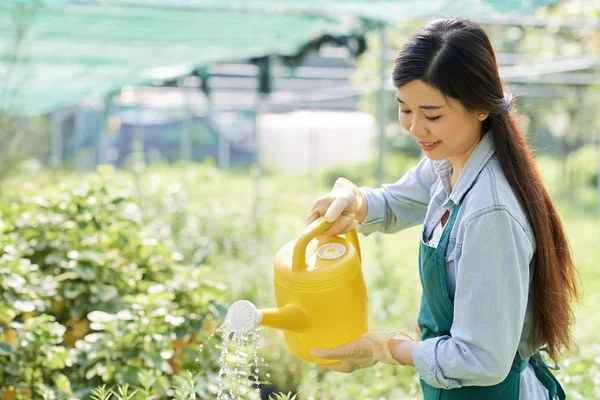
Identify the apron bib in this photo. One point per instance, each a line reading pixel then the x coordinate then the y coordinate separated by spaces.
pixel 437 315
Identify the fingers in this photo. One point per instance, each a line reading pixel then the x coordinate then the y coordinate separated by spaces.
pixel 339 367
pixel 342 183
pixel 330 354
pixel 320 207
pixel 312 216
pixel 335 210
pixel 356 349
pixel 339 207
pixel 343 224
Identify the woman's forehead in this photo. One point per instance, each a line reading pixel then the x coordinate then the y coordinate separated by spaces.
pixel 419 90
pixel 418 94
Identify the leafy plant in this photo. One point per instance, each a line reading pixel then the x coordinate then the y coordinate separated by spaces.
pixel 90 297
pixel 101 393
pixel 283 396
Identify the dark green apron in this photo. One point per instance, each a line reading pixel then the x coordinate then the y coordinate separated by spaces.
pixel 436 317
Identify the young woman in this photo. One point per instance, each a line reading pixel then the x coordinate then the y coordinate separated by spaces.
pixel 494 262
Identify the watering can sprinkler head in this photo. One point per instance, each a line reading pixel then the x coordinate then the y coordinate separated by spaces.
pixel 242 317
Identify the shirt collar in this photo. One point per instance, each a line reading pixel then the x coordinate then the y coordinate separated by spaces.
pixel 474 165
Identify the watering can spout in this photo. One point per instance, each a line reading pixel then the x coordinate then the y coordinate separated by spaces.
pixel 243 316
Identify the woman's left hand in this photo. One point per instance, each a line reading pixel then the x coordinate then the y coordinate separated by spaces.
pixel 364 352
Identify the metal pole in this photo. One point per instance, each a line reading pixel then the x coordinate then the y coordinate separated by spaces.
pixel 56 142
pixel 186 134
pixel 103 140
pixel 139 155
pixel 186 150
pixel 598 177
pixel 223 144
pixel 381 116
pixel 77 141
pixel 264 88
pixel 381 104
pixel 313 157
pixel 260 101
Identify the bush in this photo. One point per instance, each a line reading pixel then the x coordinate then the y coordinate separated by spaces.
pixel 89 297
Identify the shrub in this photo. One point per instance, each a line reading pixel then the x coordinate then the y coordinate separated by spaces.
pixel 89 297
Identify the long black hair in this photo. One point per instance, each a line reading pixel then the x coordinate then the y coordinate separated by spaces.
pixel 456 57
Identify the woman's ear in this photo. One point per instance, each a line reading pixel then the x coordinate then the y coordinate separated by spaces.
pixel 481 115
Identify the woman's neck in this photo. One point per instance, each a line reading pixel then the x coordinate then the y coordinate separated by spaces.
pixel 458 163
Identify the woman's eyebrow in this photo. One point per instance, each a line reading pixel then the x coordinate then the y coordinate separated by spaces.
pixel 423 107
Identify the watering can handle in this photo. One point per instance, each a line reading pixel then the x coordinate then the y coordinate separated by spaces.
pixel 313 230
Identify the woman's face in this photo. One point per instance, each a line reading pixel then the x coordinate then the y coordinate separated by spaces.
pixel 443 127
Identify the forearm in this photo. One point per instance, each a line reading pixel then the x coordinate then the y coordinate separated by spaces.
pixel 393 207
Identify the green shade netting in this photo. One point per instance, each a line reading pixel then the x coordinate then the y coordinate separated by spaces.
pixel 55 53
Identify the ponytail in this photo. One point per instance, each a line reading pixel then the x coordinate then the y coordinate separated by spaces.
pixel 554 284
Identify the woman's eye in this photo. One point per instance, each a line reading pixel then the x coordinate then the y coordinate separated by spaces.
pixel 433 118
pixel 405 111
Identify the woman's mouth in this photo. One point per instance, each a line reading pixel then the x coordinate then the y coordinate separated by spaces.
pixel 428 146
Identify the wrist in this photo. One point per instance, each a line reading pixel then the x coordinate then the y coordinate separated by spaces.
pixel 361 205
pixel 401 351
pixel 361 202
pixel 397 348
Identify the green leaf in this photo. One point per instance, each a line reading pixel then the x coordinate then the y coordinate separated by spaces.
pixel 130 373
pixel 62 382
pixel 7 313
pixel 86 273
pixel 126 315
pixel 101 393
pixel 5 349
pixel 92 257
pixel 13 368
pixel 24 305
pixel 52 259
pixel 57 329
pixel 101 317
pixel 55 358
pixel 73 289
pixel 13 280
pixel 104 292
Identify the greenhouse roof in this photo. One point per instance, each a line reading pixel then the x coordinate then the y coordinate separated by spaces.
pixel 55 53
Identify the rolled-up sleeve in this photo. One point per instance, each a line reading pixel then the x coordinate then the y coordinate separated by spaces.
pixel 400 205
pixel 492 286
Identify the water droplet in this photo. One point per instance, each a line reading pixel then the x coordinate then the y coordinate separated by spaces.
pixel 234 375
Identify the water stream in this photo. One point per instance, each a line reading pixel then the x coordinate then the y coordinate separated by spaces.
pixel 239 364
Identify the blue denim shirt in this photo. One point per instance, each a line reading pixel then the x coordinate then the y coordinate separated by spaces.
pixel 488 266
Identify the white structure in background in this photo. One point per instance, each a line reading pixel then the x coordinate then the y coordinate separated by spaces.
pixel 305 140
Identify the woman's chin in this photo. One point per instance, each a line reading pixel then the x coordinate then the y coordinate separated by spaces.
pixel 432 155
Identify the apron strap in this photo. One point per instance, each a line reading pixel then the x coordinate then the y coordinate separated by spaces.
pixel 522 364
pixel 545 376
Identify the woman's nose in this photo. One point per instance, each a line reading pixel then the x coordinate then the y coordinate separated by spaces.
pixel 417 128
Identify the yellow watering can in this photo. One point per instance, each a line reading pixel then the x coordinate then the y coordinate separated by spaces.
pixel 320 293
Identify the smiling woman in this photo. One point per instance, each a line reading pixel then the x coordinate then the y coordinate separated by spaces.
pixel 494 261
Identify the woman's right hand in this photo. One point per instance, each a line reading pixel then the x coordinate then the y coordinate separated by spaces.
pixel 345 206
